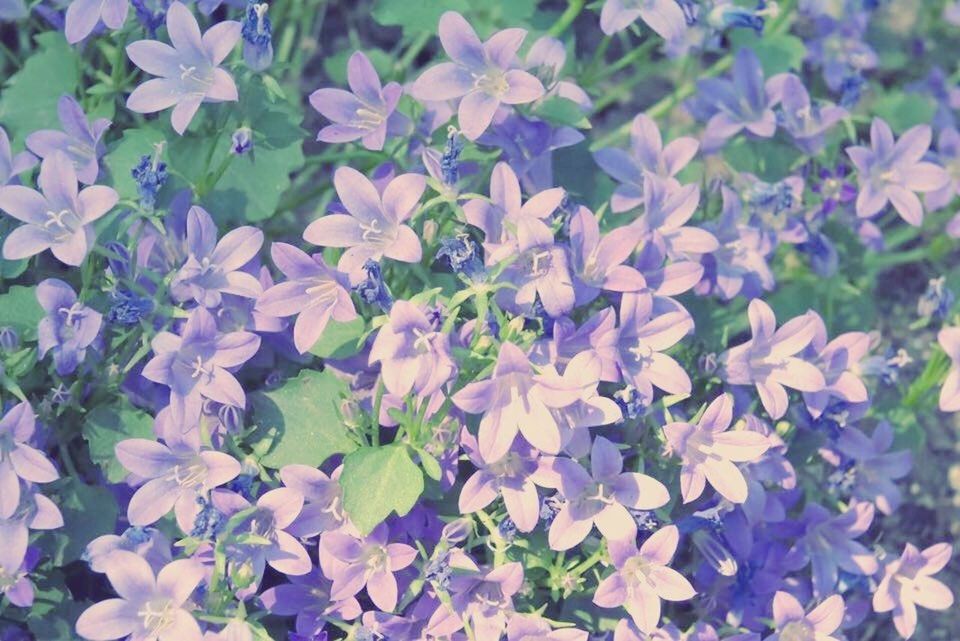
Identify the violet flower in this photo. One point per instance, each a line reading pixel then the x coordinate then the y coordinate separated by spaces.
pixel 16 564
pixel 58 217
pixel 546 59
pixel 195 365
pixel 948 155
pixel 665 214
pixel 148 607
pixel 483 597
pixel 176 476
pixel 533 628
pixel 601 497
pixel 353 562
pixel 315 292
pixel 806 122
pixel 709 450
pixel 643 578
pixel 647 154
pixel 79 138
pixel 215 268
pixel 373 227
pixel 11 165
pixel 189 71
pixel 83 16
pixel 793 624
pixel 412 352
pixel 481 74
pixel 69 327
pixel 19 460
pixel 272 514
pixel 510 403
pixel 598 260
pixel 891 171
pixel 768 359
pixel 368 113
pixel 908 582
pixel 871 468
pixel 664 17
pixel 839 361
pixel 949 339
pixel 308 597
pixel 323 499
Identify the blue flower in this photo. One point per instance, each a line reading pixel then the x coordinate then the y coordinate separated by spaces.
pixel 257 33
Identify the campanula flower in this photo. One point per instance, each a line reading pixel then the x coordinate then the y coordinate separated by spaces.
pixel 948 156
pixel 176 476
pixel 872 467
pixel 84 15
pixel 194 365
pixel 540 273
pixel 149 607
pixel 665 213
pixel 69 327
pixel 353 562
pixel 256 31
pixel 908 582
pixel 936 301
pixel 12 165
pixel 664 17
pixel 150 174
pixel 482 74
pixel 214 268
pixel 372 289
pixel 149 543
pixel 545 60
pixel 533 628
pixel 891 171
pixel 601 497
pixel 647 154
pixel 323 499
pixel 481 596
pixel 745 101
pixel 510 402
pixel 413 354
pixel 598 260
pixel 768 360
pixel 839 361
pixel 373 227
pixel 793 624
pixel 79 138
pixel 368 112
pixel 806 121
pixel 11 10
pixel 19 460
pixel 709 450
pixel 308 597
pixel 949 339
pixel 188 71
pixel 272 514
pixel 58 217
pixel 15 582
pixel 828 545
pixel 313 291
pixel 643 578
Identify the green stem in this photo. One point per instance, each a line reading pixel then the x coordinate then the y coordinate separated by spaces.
pixel 574 7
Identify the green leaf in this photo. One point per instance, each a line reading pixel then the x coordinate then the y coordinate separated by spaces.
pixel 562 111
pixel 777 54
pixel 105 426
pixel 340 340
pixel 415 15
pixel 29 99
pixel 904 110
pixel 88 512
pixel 377 481
pixel 20 310
pixel 301 420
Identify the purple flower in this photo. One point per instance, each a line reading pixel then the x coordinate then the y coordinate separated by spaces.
pixel 533 628
pixel 15 581
pixel 12 166
pixel 19 460
pixel 839 361
pixel 514 478
pixel 510 402
pixel 84 15
pixel 79 140
pixel 793 624
pixel 828 545
pixel 807 122
pixel 948 155
pixel 308 597
pixel 373 227
pixel 273 513
pixel 412 353
pixel 149 543
pixel 368 114
pixel 353 562
pixel 665 214
pixel 57 217
pixel 149 608
pixel 647 154
pixel 482 597
pixel 871 468
pixel 69 327
pixel 188 70
pixel 546 59
pixel 314 291
pixel 768 359
pixel 601 497
pixel 949 339
pixel 540 274
pixel 645 332
pixel 482 74
pixel 664 17
pixel 643 578
pixel 743 102
pixel 215 268
pixel 598 260
pixel 176 476
pixel 194 365
pixel 891 171
pixel 908 582
pixel 709 451
pixel 323 499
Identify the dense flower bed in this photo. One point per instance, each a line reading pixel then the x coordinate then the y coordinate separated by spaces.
pixel 622 320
